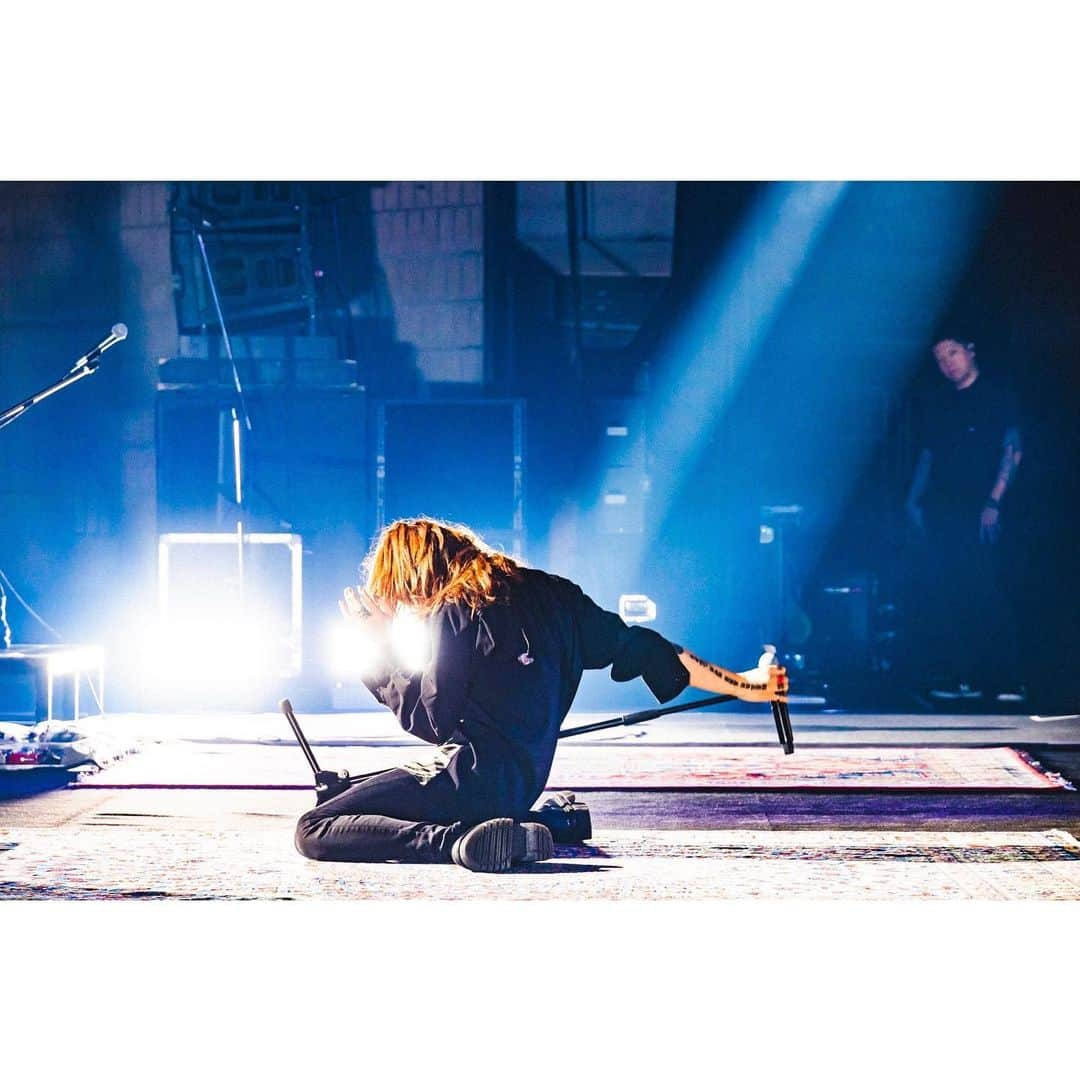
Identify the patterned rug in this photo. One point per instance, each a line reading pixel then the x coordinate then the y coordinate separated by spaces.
pixel 114 861
pixel 613 767
pixel 767 768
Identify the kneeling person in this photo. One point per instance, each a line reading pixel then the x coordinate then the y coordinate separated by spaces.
pixel 509 645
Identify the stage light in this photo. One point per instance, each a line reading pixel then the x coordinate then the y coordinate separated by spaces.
pixel 352 651
pixel 221 655
pixel 637 608
pixel 239 582
pixel 710 355
pixel 776 385
pixel 410 640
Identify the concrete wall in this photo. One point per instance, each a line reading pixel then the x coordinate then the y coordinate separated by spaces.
pixel 430 239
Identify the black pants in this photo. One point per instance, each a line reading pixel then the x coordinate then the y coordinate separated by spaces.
pixel 970 618
pixel 392 815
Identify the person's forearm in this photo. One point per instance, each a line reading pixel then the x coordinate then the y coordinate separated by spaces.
pixel 1010 461
pixel 712 677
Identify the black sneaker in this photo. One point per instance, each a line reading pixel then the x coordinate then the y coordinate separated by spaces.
pixel 496 845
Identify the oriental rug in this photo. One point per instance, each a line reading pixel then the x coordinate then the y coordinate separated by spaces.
pixel 141 861
pixel 613 768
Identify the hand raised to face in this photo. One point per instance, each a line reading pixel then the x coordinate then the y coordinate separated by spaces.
pixel 359 605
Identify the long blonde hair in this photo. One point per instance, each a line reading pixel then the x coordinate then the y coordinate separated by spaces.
pixel 425 563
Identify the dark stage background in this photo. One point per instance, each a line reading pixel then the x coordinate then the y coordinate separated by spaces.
pixel 613 379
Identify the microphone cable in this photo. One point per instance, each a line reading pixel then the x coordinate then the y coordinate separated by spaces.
pixel 18 596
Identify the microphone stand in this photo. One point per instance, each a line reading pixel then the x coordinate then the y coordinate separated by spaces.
pixel 329 784
pixel 84 366
pixel 9 416
pixel 781 717
pixel 240 418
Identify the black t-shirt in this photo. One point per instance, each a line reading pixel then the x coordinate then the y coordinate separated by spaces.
pixel 499 683
pixel 965 432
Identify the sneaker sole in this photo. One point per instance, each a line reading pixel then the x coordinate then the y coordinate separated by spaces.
pixel 494 846
pixel 533 843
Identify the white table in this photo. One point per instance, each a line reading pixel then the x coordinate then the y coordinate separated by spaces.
pixel 49 663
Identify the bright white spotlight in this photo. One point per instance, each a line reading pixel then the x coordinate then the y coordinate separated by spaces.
pixel 353 651
pixel 222 654
pixel 410 640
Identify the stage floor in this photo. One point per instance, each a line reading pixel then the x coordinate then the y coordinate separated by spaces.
pixel 236 841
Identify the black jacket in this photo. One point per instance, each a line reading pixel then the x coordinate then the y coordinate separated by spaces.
pixel 499 683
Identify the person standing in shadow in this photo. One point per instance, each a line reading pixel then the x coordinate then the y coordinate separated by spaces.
pixel 969 451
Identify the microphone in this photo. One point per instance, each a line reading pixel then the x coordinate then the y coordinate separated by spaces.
pixel 116 334
pixel 759 676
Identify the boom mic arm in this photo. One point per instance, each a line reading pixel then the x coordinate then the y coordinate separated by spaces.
pixel 84 366
pixel 116 334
